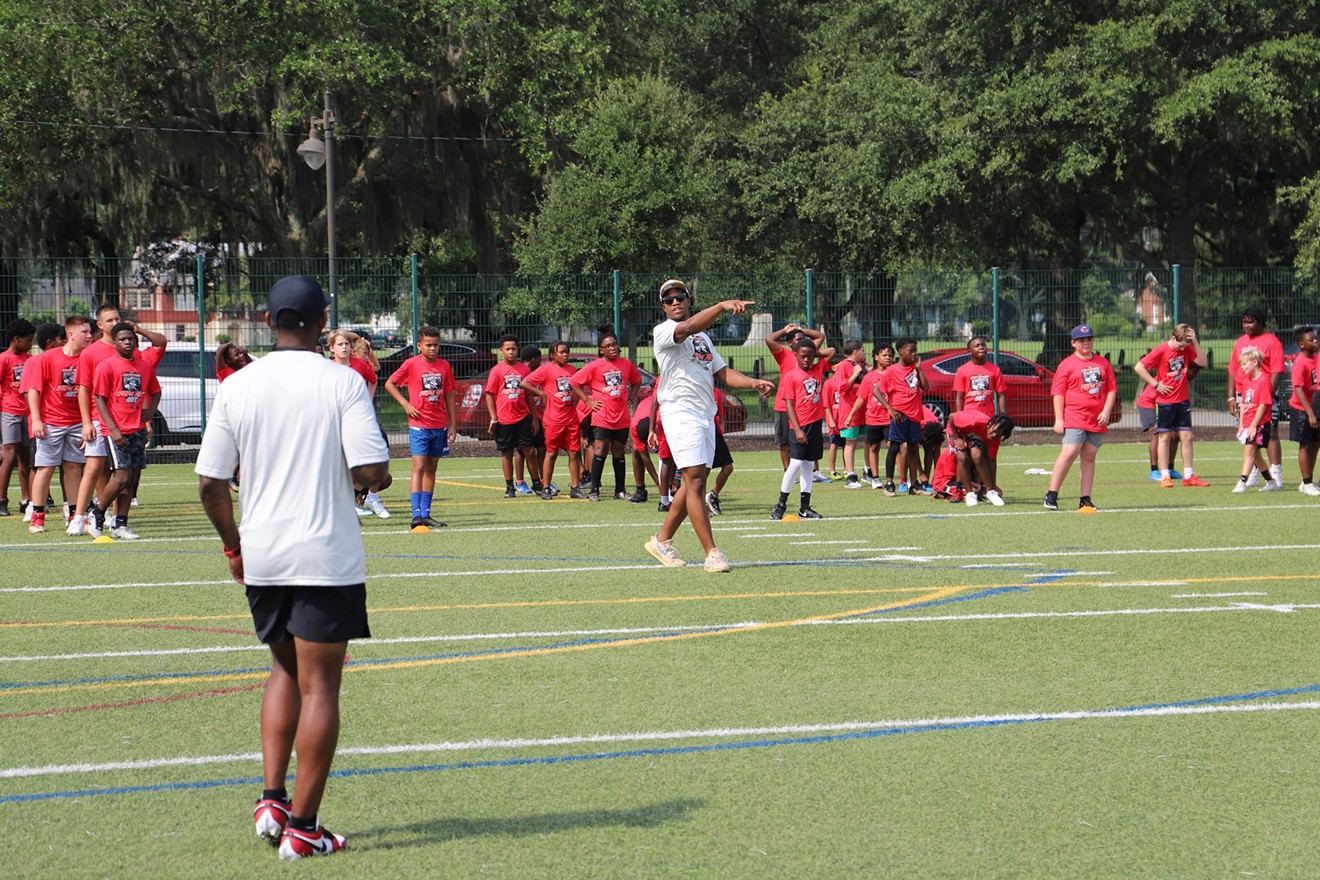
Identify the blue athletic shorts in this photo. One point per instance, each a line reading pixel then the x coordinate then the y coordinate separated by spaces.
pixel 432 442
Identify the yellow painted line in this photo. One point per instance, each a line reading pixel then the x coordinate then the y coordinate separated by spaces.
pixel 468 485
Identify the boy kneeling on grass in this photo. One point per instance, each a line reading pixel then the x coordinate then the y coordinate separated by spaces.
pixel 974 439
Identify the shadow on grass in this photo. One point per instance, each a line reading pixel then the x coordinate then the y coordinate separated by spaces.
pixel 447 829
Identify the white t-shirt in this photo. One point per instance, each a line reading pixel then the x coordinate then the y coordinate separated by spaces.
pixel 296 423
pixel 687 371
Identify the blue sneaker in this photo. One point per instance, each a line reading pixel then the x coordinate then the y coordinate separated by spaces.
pixel 1175 474
pixel 522 488
pixel 903 487
pixel 1155 474
pixel 554 490
pixel 818 477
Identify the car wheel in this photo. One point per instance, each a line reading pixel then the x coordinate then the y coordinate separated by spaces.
pixel 939 407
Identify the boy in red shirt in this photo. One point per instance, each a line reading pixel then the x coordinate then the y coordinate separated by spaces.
pixel 512 422
pixel 1167 369
pixel 875 418
pixel 1084 392
pixel 978 384
pixel 1271 351
pixel 1255 396
pixel 805 408
pixel 900 389
pixel 833 416
pixel 430 408
pixel 16 448
pixel 781 343
pixel 974 438
pixel 847 379
pixel 550 383
pixel 127 394
pixel 1303 429
pixel 608 385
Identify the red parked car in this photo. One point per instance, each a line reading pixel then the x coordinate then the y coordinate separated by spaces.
pixel 1030 403
pixel 474 419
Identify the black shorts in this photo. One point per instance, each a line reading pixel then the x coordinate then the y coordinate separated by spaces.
pixel 313 614
pixel 515 436
pixel 132 455
pixel 876 434
pixel 1300 430
pixel 722 454
pixel 1173 417
pixel 538 439
pixel 813 448
pixel 611 435
pixel 782 434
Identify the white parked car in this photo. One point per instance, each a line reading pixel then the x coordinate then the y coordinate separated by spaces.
pixel 179 418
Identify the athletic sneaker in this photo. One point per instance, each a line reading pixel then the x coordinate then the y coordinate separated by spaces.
pixel 522 488
pixel 903 487
pixel 1254 478
pixel 971 499
pixel 713 504
pixel 639 497
pixel 1166 482
pixel 376 506
pixel 835 475
pixel 25 508
pixel 620 495
pixel 432 523
pixel 271 816
pixel 1155 474
pixel 777 512
pixel 1175 474
pixel 1309 489
pixel 510 493
pixel 546 495
pixel 361 511
pixel 134 502
pixel 1051 500
pixel 994 498
pixel 37 524
pixel 876 483
pixel 123 533
pixel 1271 486
pixel 922 489
pixel 593 495
pixel 663 507
pixel 818 477
pixel 716 561
pixel 1086 505
pixel 1195 481
pixel 809 513
pixel 295 844
pixel 1240 486
pixel 4 508
pixel 664 552
pixel 554 490
pixel 889 490
pixel 576 492
pixel 852 482
pixel 416 521
pixel 77 526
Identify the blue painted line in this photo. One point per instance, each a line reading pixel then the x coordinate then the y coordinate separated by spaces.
pixel 1052 576
pixel 645 753
pixel 934 602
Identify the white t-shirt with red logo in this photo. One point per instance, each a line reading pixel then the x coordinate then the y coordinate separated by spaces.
pixel 688 369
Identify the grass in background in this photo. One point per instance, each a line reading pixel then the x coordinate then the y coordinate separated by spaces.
pixel 507 641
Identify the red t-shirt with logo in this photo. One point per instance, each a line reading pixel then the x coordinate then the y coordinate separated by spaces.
pixel 1270 347
pixel 876 415
pixel 12 365
pixel 1084 385
pixel 1170 367
pixel 1253 393
pixel 969 421
pixel 55 375
pixel 900 383
pixel 505 385
pixel 126 387
pixel 979 384
pixel 92 357
pixel 1305 379
pixel 804 388
pixel 609 382
pixel 847 390
pixel 427 383
pixel 554 380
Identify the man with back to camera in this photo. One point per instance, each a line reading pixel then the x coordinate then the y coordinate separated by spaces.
pixel 299 551
pixel 688 366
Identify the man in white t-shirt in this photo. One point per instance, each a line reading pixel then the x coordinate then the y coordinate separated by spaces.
pixel 685 404
pixel 303 430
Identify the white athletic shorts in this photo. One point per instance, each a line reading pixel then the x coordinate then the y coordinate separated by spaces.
pixel 691 438
pixel 100 447
pixel 61 444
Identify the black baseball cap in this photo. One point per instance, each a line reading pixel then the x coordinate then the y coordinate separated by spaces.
pixel 299 294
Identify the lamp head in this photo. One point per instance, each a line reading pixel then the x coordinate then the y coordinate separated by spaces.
pixel 312 150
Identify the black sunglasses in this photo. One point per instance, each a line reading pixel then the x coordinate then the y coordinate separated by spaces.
pixel 670 300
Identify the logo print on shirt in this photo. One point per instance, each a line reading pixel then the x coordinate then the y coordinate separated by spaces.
pixel 1176 366
pixel 980 384
pixel 613 382
pixel 18 373
pixel 431 382
pixel 512 385
pixel 701 350
pixel 911 379
pixel 131 383
pixel 564 388
pixel 811 385
pixel 1091 380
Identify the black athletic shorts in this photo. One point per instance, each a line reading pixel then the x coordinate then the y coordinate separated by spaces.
pixel 722 454
pixel 611 435
pixel 1299 428
pixel 515 436
pixel 1173 417
pixel 813 448
pixel 876 434
pixel 313 614
pixel 782 434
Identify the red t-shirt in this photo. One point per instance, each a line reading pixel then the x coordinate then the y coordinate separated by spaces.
pixel 363 369
pixel 969 422
pixel 427 384
pixel 55 375
pixel 505 385
pixel 126 387
pixel 1170 367
pixel 1305 379
pixel 1253 393
pixel 876 415
pixel 829 392
pixel 785 360
pixel 846 390
pixel 1146 399
pixel 12 365
pixel 979 384
pixel 1084 386
pixel 900 383
pixel 804 388
pixel 609 382
pixel 561 409
pixel 1270 347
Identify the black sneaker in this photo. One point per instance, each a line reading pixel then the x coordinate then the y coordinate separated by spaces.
pixel 890 491
pixel 809 513
pixel 777 512
pixel 1086 505
pixel 417 521
pixel 639 497
pixel 4 508
pixel 576 492
pixel 511 492
pixel 435 524
pixel 546 495
pixel 620 495
pixel 593 495
pixel 713 504
pixel 1051 500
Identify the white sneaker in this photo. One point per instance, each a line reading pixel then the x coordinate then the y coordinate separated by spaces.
pixel 361 511
pixel 123 533
pixel 664 552
pixel 134 502
pixel 1254 479
pixel 717 561
pixel 1239 487
pixel 67 513
pixel 375 505
pixel 994 498
pixel 77 526
pixel 877 483
pixel 1271 486
pixel 971 499
pixel 27 513
pixel 93 530
pixel 1309 489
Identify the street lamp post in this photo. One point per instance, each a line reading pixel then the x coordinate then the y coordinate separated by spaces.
pixel 316 152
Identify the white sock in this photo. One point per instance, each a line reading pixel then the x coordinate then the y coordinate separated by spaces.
pixel 791 475
pixel 1187 473
pixel 1276 473
pixel 1164 472
pixel 805 480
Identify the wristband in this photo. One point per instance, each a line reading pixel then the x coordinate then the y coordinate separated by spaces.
pixel 231 553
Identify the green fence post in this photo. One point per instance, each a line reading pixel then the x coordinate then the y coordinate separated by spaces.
pixel 811 301
pixel 994 311
pixel 618 301
pixel 201 335
pixel 415 305
pixel 1177 293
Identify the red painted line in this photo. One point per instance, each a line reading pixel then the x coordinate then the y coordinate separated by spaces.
pixel 143 702
pixel 194 629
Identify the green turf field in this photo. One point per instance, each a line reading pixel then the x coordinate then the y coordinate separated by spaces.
pixel 906 688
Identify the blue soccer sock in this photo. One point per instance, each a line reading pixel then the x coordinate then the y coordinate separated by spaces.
pixel 416 498
pixel 425 502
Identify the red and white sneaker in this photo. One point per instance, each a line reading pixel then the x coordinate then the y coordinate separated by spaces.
pixel 271 816
pixel 295 844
